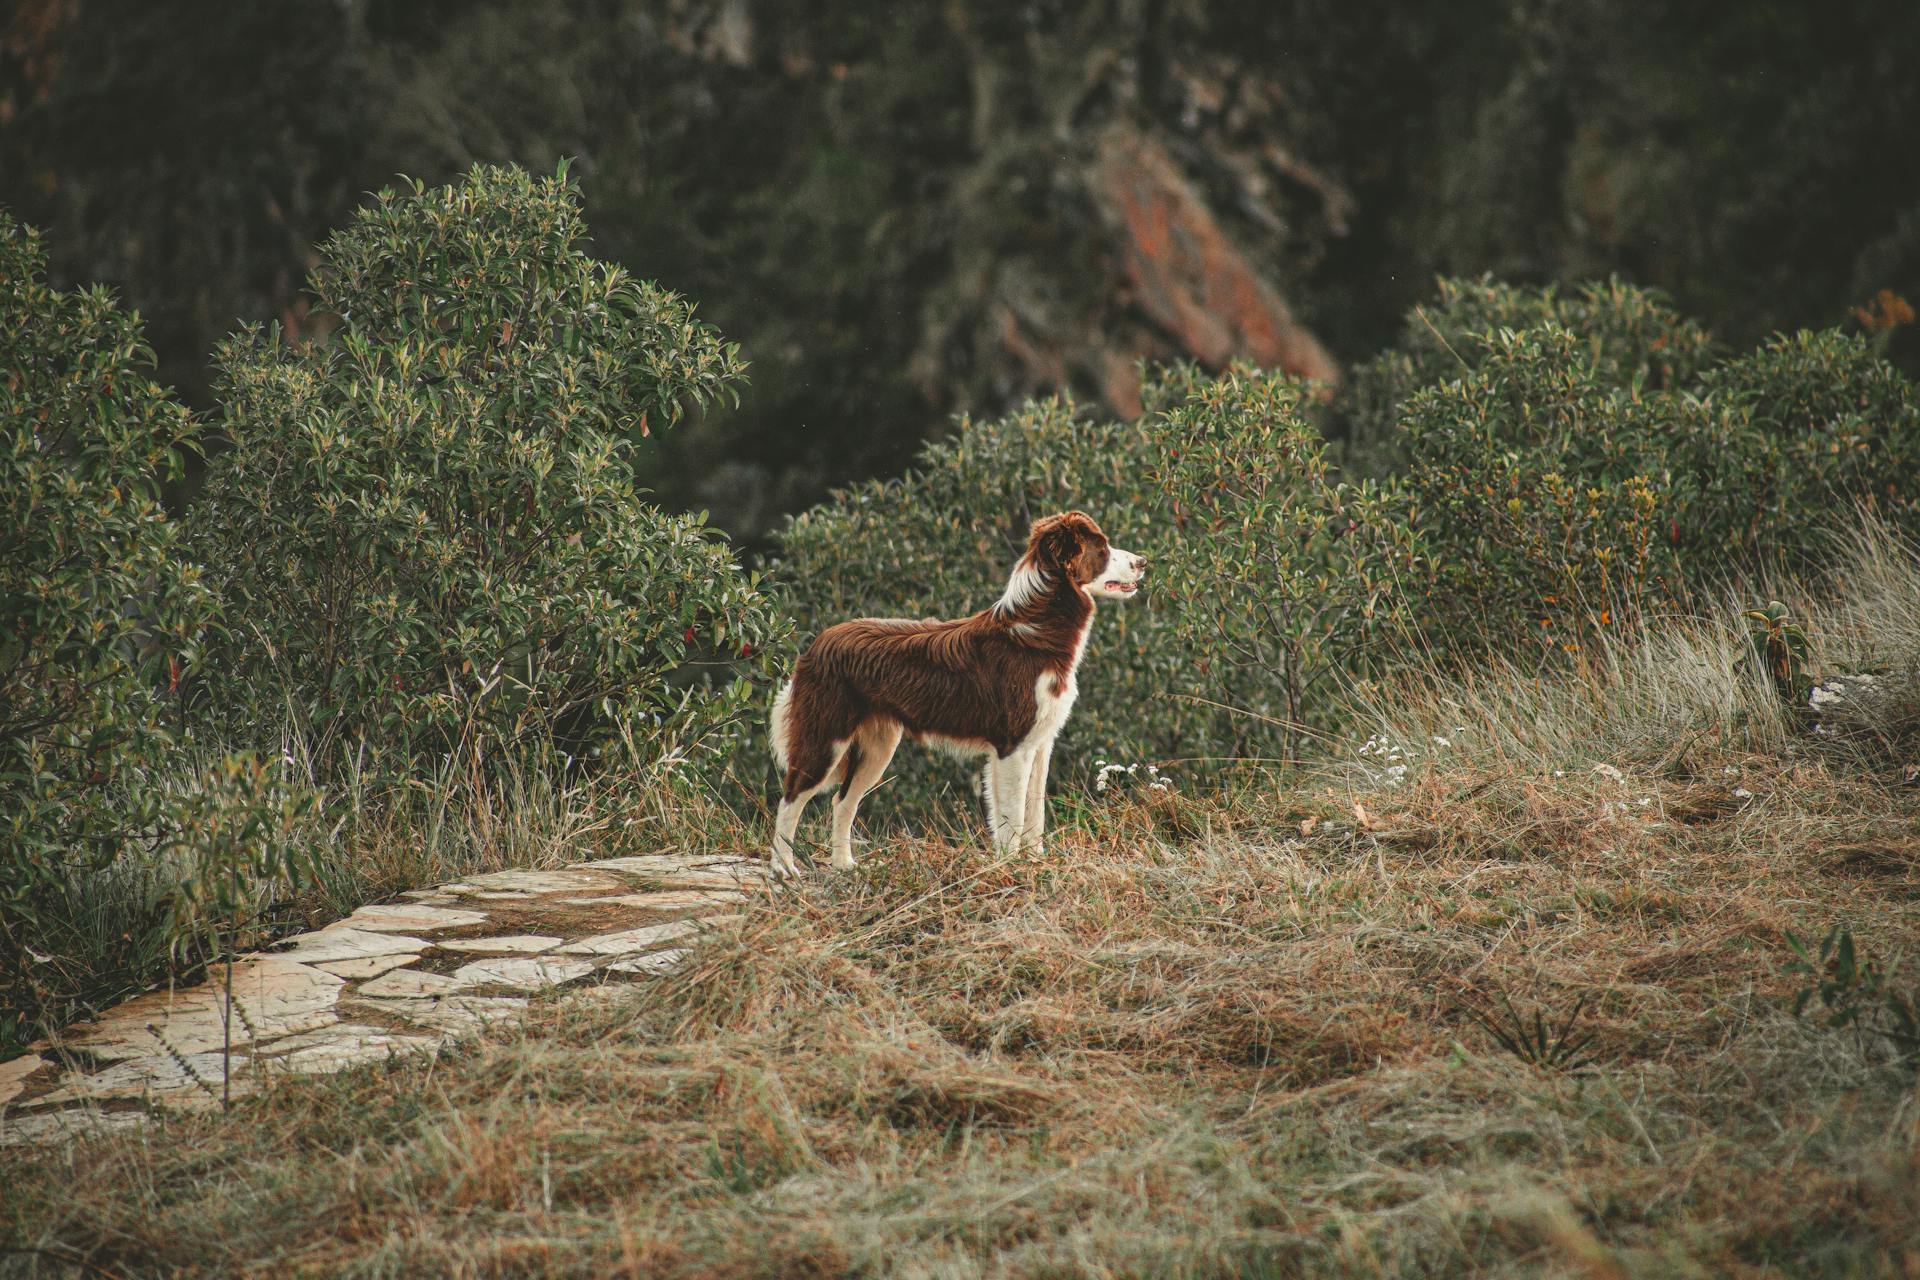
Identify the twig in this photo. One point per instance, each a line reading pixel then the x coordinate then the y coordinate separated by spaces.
pixel 1421 311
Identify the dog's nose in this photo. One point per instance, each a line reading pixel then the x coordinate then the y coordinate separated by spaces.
pixel 1139 564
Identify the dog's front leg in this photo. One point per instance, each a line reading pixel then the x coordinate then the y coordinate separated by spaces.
pixel 1007 797
pixel 1035 825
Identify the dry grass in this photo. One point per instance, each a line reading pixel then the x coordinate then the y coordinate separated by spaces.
pixel 1243 1035
pixel 1245 1052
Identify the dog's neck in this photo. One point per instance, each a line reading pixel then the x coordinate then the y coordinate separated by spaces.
pixel 1044 609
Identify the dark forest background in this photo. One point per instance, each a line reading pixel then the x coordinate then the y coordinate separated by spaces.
pixel 906 211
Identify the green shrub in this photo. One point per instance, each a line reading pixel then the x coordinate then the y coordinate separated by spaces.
pixel 428 523
pixel 1627 336
pixel 101 614
pixel 1286 580
pixel 1528 478
pixel 1572 465
pixel 1819 423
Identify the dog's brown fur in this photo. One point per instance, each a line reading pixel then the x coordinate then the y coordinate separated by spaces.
pixel 973 681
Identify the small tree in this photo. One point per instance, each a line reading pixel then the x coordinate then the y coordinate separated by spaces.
pixel 430 522
pixel 100 613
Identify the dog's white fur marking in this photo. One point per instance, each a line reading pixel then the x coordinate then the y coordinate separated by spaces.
pixel 786 820
pixel 1014 789
pixel 1119 579
pixel 780 726
pixel 1028 583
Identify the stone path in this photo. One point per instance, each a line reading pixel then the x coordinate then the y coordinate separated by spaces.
pixel 393 979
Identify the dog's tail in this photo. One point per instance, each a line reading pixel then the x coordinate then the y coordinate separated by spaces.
pixel 779 726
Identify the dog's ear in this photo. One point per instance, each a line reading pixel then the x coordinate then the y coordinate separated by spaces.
pixel 1069 544
pixel 1054 542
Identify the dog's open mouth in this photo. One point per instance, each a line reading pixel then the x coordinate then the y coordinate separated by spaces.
pixel 1123 588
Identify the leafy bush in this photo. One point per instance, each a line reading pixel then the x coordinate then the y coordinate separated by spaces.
pixel 1528 479
pixel 428 523
pixel 1627 337
pixel 1803 426
pixel 100 613
pixel 1578 464
pixel 1287 579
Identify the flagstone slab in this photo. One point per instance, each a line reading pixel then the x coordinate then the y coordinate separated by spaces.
pixel 365 966
pixel 275 995
pixel 529 973
pixel 652 962
pixel 346 1045
pixel 665 899
pixel 666 864
pixel 395 918
pixel 344 942
pixel 451 1015
pixel 567 880
pixel 407 983
pixel 719 878
pixel 512 944
pixel 13 1075
pixel 628 941
pixel 144 1077
pixel 66 1123
pixel 362 989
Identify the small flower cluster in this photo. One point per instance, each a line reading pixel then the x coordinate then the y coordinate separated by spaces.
pixel 1385 761
pixel 1106 775
pixel 1389 756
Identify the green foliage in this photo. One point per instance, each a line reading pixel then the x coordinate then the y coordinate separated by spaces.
pixel 428 525
pixel 1804 426
pixel 252 847
pixel 1855 993
pixel 1573 465
pixel 1526 477
pixel 1285 578
pixel 100 613
pixel 1625 337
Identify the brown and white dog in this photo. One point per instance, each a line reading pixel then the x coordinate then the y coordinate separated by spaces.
pixel 998 684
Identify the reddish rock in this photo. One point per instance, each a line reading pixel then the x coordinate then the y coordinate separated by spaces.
pixel 1188 276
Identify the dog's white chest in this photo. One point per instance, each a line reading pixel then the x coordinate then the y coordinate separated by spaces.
pixel 1053 697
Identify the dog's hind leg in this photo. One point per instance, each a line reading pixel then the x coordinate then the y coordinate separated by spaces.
pixel 802 785
pixel 867 759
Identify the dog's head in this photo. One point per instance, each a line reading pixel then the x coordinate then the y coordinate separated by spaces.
pixel 1071 545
